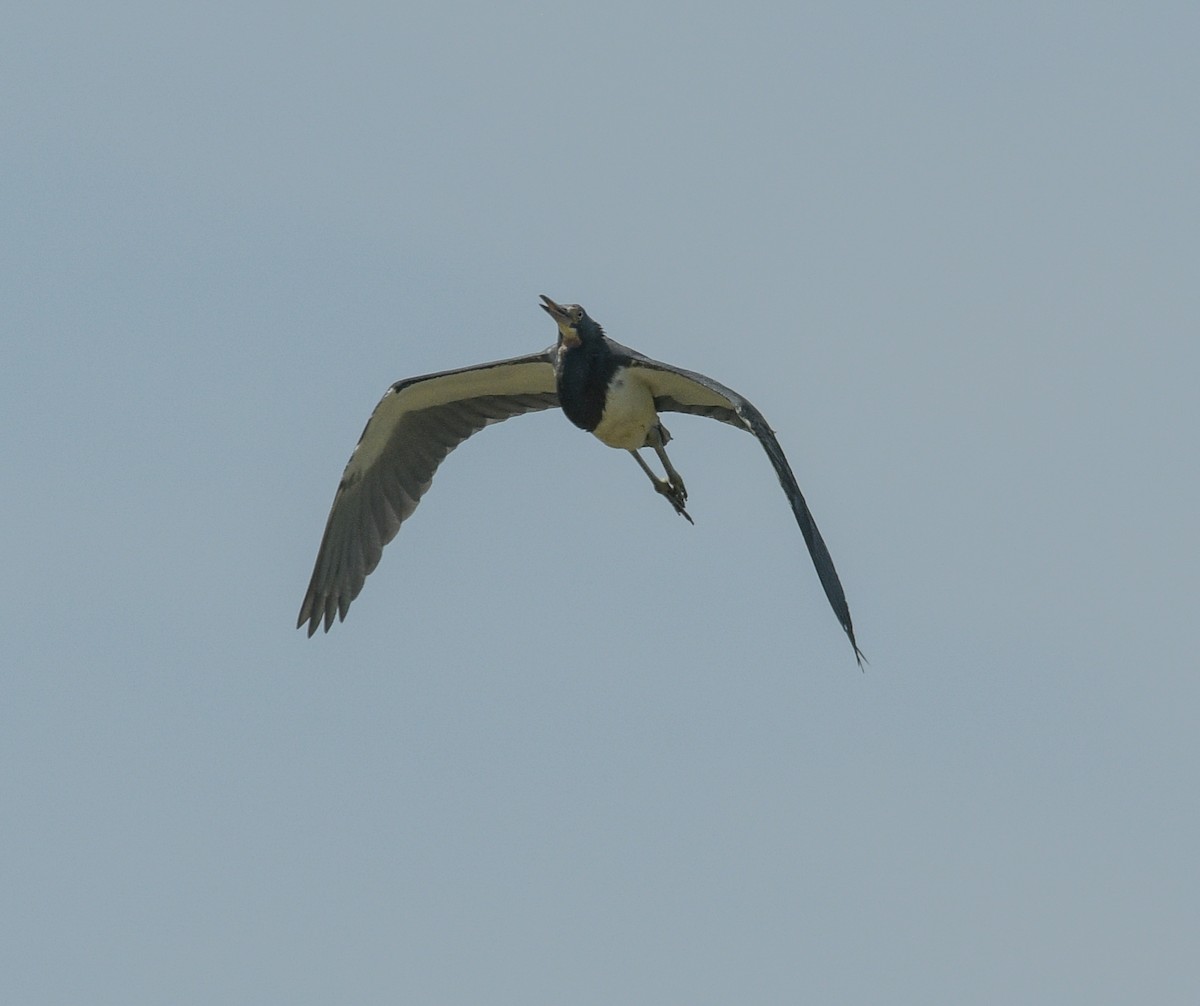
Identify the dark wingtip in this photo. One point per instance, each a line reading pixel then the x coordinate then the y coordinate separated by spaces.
pixel 308 615
pixel 859 656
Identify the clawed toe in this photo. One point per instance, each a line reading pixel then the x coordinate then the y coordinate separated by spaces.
pixel 677 496
pixel 672 486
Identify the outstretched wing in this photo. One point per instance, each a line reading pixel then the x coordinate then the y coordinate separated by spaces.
pixel 677 390
pixel 416 424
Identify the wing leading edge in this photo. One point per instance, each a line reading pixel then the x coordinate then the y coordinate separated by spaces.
pixel 415 425
pixel 678 390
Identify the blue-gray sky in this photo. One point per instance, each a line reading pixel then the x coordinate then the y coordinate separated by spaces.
pixel 568 748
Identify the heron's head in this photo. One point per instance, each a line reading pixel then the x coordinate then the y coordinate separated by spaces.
pixel 574 324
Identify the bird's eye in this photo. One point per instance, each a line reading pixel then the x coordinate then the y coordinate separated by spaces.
pixel 576 313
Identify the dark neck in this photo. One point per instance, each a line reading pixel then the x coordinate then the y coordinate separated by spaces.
pixel 583 374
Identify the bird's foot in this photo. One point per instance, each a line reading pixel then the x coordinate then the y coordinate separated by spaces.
pixel 676 494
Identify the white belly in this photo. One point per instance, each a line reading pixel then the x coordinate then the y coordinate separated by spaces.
pixel 628 413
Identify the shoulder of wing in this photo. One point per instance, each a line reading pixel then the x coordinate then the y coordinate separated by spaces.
pixel 688 389
pixel 522 375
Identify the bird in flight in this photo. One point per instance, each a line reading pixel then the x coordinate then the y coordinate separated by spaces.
pixel 613 392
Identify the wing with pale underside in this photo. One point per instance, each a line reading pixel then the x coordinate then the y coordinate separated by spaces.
pixel 416 424
pixel 678 390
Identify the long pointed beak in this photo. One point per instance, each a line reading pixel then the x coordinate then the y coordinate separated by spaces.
pixel 554 310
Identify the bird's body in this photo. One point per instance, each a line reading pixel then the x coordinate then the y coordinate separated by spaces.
pixel 629 413
pixel 610 401
pixel 605 388
pixel 582 374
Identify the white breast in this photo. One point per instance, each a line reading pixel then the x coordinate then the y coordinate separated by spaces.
pixel 628 412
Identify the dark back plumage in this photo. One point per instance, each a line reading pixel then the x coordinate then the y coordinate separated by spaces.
pixel 583 373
